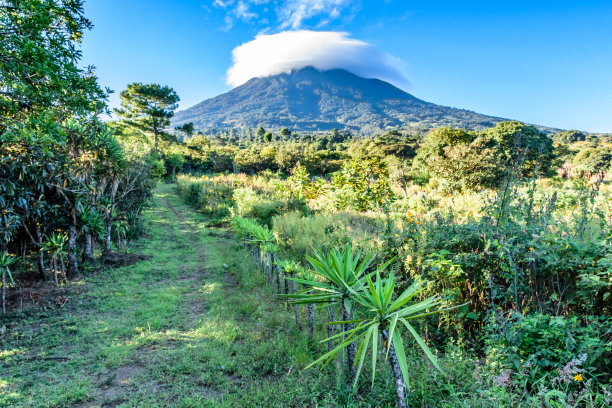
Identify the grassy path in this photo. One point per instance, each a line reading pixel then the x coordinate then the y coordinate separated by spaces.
pixel 177 329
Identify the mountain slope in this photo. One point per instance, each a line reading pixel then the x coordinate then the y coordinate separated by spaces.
pixel 311 100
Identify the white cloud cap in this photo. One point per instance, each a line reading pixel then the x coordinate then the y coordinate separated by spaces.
pixel 280 53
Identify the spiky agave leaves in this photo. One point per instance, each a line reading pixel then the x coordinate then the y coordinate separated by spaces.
pixel 384 316
pixel 56 246
pixel 5 261
pixel 335 274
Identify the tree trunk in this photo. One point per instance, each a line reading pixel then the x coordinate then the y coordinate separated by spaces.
pixel 41 255
pixel 41 264
pixel 108 237
pixel 286 283
pixel 295 307
pixel 351 348
pixel 63 270
pixel 155 137
pixel 109 217
pixel 400 384
pixel 73 265
pixel 3 291
pixel 269 267
pixel 88 250
pixel 310 320
pixel 54 267
pixel 330 328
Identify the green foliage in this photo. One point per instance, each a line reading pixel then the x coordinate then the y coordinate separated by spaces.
pixel 569 137
pixel 149 107
pixel 362 184
pixel 544 346
pixel 462 160
pixel 594 161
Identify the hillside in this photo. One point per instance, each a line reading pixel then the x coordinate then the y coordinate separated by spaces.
pixel 311 100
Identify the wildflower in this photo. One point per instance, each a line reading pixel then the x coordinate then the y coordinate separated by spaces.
pixel 578 377
pixel 531 249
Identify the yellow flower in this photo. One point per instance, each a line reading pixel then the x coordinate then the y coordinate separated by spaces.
pixel 531 249
pixel 578 377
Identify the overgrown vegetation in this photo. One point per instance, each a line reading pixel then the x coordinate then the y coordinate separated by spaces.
pixel 519 255
pixel 476 264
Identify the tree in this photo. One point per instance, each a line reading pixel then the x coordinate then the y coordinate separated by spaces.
pixel 187 129
pixel 149 107
pixel 268 137
pixel 569 137
pixel 260 132
pixel 285 133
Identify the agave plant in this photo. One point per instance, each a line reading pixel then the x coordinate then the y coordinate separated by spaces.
pixel 5 261
pixel 244 229
pixel 55 246
pixel 388 318
pixel 338 275
pixel 262 238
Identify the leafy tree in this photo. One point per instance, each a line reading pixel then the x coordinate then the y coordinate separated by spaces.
pixel 267 137
pixel 569 137
pixel 38 72
pixel 363 184
pixel 594 160
pixel 187 129
pixel 260 132
pixel 149 107
pixel 285 133
pixel 519 141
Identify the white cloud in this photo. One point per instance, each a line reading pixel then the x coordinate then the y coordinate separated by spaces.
pixel 277 53
pixel 294 13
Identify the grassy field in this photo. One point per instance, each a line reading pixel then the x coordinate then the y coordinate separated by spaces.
pixel 177 329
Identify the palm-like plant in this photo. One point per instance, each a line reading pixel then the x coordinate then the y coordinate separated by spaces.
pixel 92 226
pixel 262 238
pixel 5 261
pixel 55 245
pixel 387 318
pixel 337 277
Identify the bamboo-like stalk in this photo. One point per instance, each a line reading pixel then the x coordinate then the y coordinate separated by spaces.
pixel 351 348
pixel 310 320
pixel 400 384
pixel 295 307
pixel 3 291
pixel 330 328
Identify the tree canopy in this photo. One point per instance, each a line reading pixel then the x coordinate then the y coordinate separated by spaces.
pixel 148 106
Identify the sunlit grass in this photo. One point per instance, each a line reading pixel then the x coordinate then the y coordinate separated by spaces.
pixel 178 329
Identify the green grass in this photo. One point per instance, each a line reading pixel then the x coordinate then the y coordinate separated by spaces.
pixel 178 329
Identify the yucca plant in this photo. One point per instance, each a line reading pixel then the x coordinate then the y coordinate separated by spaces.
pixel 55 246
pixel 120 231
pixel 338 275
pixel 264 239
pixel 388 318
pixel 246 228
pixel 92 226
pixel 5 261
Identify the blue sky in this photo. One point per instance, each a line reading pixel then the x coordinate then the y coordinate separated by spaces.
pixel 543 62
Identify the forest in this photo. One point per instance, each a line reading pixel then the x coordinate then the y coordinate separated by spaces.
pixel 145 264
